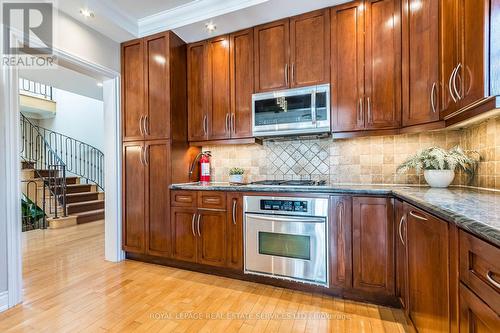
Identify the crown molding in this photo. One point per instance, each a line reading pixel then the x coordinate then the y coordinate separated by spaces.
pixel 189 13
pixel 116 15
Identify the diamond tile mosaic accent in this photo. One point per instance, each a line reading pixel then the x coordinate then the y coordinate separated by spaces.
pixel 299 159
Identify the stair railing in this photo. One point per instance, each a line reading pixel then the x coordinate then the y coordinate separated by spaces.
pixel 80 158
pixel 48 167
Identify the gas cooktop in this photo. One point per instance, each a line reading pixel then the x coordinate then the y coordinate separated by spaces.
pixel 291 182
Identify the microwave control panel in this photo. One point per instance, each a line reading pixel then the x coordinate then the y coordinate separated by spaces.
pixel 284 205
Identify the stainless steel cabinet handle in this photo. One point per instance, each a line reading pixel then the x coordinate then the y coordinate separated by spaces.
pixel 235 202
pixel 293 73
pixel 233 122
pixel 433 98
pixel 491 280
pixel 457 74
pixel 360 110
pixel 415 215
pixel 198 225
pixel 340 208
pixel 142 156
pixel 228 119
pixel 192 224
pixel 146 125
pixel 369 107
pixel 205 124
pixel 450 84
pixel 146 155
pixel 286 74
pixel 141 125
pixel 400 231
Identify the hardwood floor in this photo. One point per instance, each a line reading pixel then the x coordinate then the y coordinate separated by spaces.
pixel 68 287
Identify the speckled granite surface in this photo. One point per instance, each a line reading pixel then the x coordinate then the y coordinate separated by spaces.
pixel 477 211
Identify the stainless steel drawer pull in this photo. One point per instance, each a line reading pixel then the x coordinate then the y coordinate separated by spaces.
pixel 198 225
pixel 433 97
pixel 450 84
pixel 234 210
pixel 491 280
pixel 412 213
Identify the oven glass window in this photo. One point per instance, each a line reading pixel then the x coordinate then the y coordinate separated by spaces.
pixel 285 245
pixel 283 110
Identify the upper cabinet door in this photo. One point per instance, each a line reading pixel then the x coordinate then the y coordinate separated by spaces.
pixel 310 49
pixel 133 200
pixel 272 68
pixel 242 83
pixel 157 73
pixel 218 89
pixel 133 113
pixel 421 88
pixel 347 76
pixel 383 64
pixel 472 75
pixel 197 99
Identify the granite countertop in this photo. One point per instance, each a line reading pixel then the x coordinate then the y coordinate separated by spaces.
pixel 477 211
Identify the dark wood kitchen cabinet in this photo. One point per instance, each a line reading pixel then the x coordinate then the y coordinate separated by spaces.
pixel 292 52
pixel 470 80
pixel 197 91
pixel 184 241
pixel 366 65
pixel 199 227
pixel 401 255
pixel 421 80
pixel 340 242
pixel 242 83
pixel 475 315
pixel 153 87
pixel 271 56
pixel 234 231
pixel 428 271
pixel 132 54
pixel 146 226
pixel 134 197
pixel 310 49
pixel 373 245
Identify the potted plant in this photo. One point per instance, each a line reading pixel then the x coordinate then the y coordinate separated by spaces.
pixel 439 165
pixel 236 175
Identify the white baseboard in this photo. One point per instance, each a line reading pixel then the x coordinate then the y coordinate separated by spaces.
pixel 4 301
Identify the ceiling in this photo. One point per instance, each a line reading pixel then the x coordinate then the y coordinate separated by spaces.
pixel 123 20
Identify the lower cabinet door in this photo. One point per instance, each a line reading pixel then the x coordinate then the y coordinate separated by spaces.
pixel 183 230
pixel 373 245
pixel 428 271
pixel 157 194
pixel 234 252
pixel 340 242
pixel 475 315
pixel 211 231
pixel 133 200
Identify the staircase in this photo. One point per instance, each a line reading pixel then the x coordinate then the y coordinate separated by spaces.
pixel 61 175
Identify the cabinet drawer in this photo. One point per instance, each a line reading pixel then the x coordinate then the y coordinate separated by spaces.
pixel 480 269
pixel 475 315
pixel 183 199
pixel 213 200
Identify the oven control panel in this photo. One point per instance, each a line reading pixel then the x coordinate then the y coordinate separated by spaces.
pixel 284 205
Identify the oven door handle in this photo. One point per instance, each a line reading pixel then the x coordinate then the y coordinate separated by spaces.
pixel 290 219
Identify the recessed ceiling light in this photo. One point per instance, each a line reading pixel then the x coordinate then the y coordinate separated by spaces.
pixel 99 84
pixel 210 26
pixel 87 13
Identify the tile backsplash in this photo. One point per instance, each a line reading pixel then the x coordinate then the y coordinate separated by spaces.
pixel 369 160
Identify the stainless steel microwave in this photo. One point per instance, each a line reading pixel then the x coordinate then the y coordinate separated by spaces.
pixel 292 112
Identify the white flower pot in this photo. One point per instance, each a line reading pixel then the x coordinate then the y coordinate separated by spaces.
pixel 236 178
pixel 439 178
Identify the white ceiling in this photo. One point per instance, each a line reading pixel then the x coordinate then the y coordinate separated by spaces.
pixel 123 20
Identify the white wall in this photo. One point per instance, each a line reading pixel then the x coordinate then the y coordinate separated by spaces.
pixel 79 117
pixel 78 39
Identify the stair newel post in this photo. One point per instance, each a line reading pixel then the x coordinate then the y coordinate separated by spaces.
pixel 53 179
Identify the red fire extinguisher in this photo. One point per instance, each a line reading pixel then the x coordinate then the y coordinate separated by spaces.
pixel 205 167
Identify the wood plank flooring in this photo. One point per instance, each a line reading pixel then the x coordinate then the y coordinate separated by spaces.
pixel 68 287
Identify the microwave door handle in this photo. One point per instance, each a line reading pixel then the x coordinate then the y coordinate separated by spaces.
pixel 289 219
